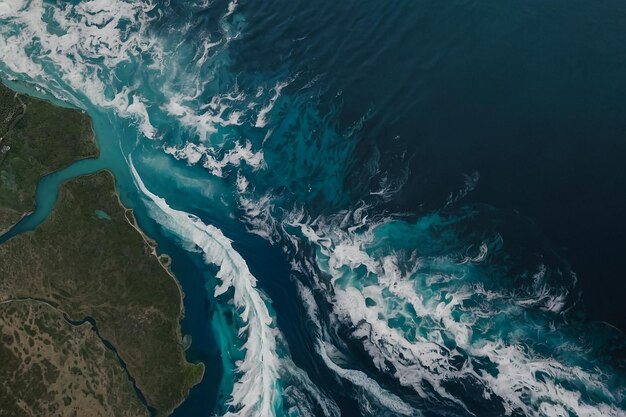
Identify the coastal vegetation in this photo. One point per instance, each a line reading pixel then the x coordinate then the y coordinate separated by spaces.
pixel 51 367
pixel 91 313
pixel 36 138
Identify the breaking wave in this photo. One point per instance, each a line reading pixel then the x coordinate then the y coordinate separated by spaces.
pixel 427 313
pixel 455 327
pixel 256 391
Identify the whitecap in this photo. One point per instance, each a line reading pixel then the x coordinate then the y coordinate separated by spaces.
pixel 526 381
pixel 256 391
pixel 261 120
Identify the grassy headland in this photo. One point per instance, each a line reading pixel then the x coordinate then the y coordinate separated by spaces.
pixel 88 259
pixel 90 265
pixel 36 138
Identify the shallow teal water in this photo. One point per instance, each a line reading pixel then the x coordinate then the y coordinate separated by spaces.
pixel 47 193
pixel 345 190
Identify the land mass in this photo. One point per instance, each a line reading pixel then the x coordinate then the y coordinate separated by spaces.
pixel 91 314
pixel 51 367
pixel 36 138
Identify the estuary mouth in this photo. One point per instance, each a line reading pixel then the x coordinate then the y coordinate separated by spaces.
pixel 372 209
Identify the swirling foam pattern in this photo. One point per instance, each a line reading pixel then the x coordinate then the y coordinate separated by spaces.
pixel 226 119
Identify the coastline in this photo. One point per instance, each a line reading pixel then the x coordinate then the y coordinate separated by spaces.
pixel 50 128
pixel 151 247
pixel 152 244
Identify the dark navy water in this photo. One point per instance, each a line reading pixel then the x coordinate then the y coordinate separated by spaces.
pixel 528 94
pixel 373 208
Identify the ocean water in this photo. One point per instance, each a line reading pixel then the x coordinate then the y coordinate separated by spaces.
pixel 374 208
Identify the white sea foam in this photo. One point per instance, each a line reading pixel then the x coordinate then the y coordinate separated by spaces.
pixel 261 120
pixel 205 119
pixel 232 6
pixel 213 151
pixel 90 37
pixel 257 211
pixel 526 381
pixel 237 155
pixel 138 108
pixel 75 49
pixel 208 48
pixel 86 42
pixel 193 154
pixel 96 36
pixel 255 392
pixel 388 400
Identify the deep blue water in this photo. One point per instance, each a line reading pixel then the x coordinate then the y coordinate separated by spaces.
pixel 373 208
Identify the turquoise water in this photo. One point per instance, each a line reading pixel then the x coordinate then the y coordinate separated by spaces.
pixel 357 196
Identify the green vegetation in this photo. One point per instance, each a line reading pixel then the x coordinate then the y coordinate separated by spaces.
pixel 36 138
pixel 87 260
pixel 50 367
pixel 103 268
